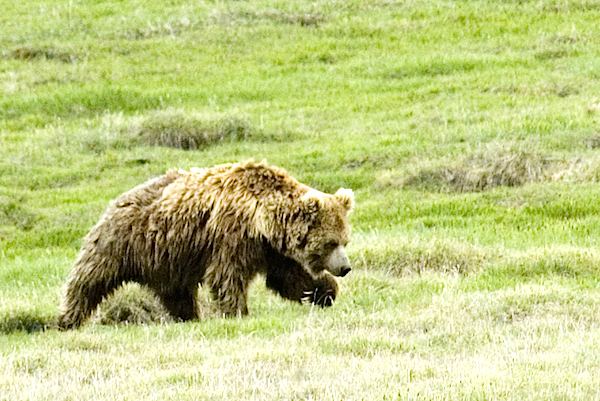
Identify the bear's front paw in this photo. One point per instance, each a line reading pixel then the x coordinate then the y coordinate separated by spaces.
pixel 325 293
pixel 320 297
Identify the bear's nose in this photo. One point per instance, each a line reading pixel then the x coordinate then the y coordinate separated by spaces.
pixel 345 270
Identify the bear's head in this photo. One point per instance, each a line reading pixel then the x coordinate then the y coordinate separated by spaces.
pixel 321 232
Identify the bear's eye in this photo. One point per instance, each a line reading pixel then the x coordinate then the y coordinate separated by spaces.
pixel 331 245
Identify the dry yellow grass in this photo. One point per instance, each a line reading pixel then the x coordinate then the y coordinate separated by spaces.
pixel 511 344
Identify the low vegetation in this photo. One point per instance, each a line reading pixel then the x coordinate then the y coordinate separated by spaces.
pixel 491 167
pixel 468 131
pixel 132 304
pixel 184 131
pixel 31 53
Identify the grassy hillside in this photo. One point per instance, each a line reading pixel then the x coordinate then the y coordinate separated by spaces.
pixel 469 131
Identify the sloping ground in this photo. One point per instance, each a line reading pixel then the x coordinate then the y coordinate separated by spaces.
pixel 468 130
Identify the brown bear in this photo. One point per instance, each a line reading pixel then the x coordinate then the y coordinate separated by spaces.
pixel 217 227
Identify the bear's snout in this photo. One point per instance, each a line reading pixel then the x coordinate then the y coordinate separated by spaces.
pixel 337 263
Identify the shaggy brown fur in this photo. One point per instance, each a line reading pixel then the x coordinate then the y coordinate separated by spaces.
pixel 218 227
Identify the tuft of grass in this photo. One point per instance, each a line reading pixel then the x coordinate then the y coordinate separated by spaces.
pixel 178 129
pixel 436 67
pixel 173 27
pixel 593 107
pixel 132 304
pixel 558 261
pixel 136 304
pixel 553 53
pixel 34 53
pixel 303 19
pixel 399 256
pixel 593 142
pixel 12 212
pixel 170 128
pixel 493 166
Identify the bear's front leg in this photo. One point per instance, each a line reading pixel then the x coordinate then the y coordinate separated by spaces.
pixel 229 291
pixel 286 277
pixel 231 300
pixel 182 304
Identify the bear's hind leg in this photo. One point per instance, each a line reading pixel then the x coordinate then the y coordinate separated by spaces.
pixel 181 304
pixel 88 284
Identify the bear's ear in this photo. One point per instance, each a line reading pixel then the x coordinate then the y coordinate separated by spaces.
pixel 312 201
pixel 346 198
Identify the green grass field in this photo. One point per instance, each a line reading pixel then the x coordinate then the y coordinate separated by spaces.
pixel 469 131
